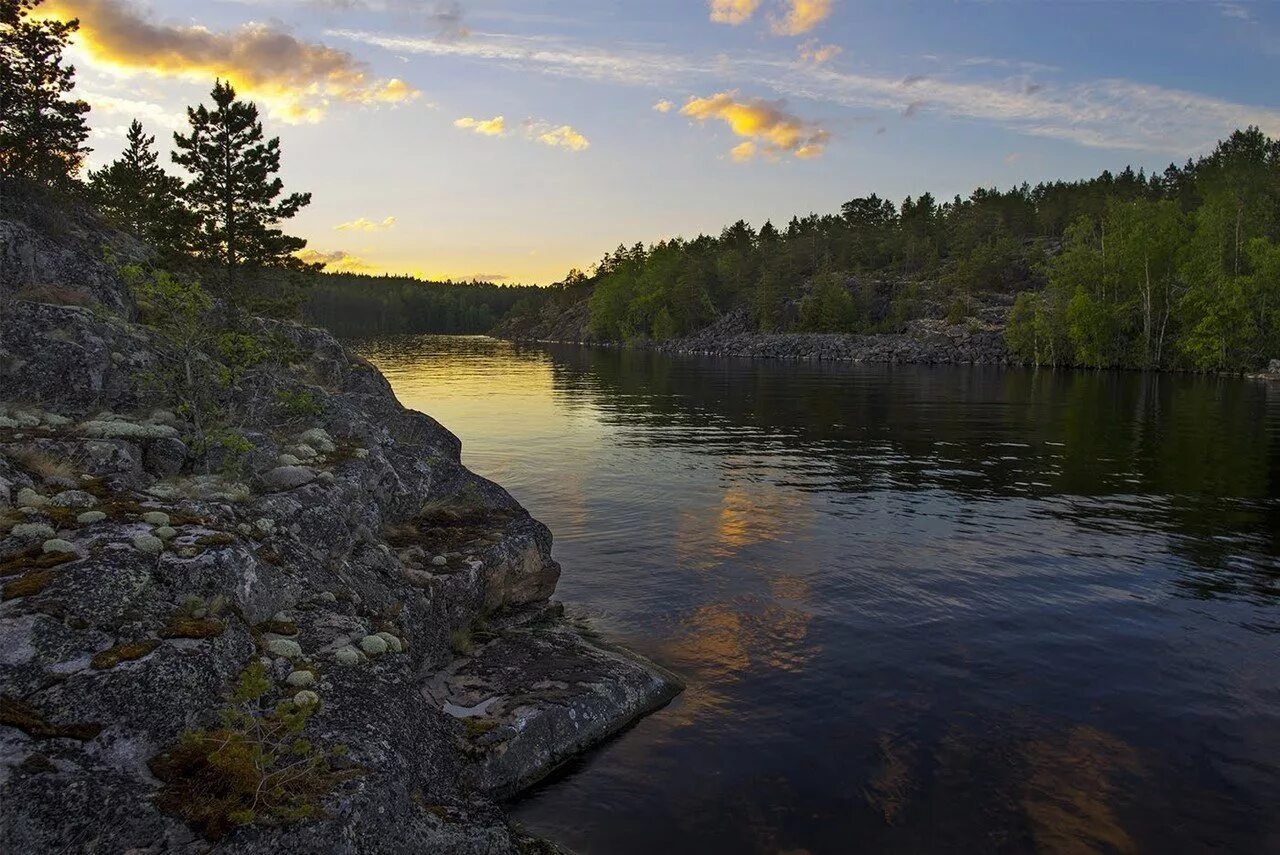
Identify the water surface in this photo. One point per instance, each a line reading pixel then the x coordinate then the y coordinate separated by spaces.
pixel 920 609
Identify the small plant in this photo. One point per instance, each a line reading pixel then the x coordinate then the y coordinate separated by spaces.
pixel 298 405
pixel 256 769
pixel 238 352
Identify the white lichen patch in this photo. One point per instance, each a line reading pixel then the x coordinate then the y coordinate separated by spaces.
pixel 58 545
pixel 157 518
pixel 32 531
pixel 347 655
pixel 91 517
pixel 373 645
pixel 284 647
pixel 148 543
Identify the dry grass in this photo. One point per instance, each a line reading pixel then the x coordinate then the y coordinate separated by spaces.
pixel 127 652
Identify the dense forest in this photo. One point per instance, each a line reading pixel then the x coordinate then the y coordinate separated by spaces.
pixel 1173 270
pixel 350 304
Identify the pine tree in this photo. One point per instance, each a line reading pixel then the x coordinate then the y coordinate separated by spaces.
pixel 235 192
pixel 136 193
pixel 42 130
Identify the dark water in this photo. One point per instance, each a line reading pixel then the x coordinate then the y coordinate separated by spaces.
pixel 920 609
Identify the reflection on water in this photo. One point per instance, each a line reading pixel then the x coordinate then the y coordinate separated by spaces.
pixel 920 609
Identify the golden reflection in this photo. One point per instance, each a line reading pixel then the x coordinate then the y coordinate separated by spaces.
pixel 746 515
pixel 1070 791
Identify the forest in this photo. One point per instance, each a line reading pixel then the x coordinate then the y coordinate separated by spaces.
pixel 355 305
pixel 1176 270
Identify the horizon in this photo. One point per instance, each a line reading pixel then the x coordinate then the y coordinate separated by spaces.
pixel 471 141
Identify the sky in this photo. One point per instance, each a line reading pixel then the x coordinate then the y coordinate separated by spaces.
pixel 511 140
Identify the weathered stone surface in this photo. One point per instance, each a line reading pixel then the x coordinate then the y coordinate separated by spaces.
pixel 284 478
pixel 324 570
pixel 165 456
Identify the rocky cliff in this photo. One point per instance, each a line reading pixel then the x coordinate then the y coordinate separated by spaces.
pixel 312 630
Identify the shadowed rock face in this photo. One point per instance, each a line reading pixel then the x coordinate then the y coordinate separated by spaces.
pixel 348 551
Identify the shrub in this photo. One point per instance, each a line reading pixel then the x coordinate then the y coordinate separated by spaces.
pixel 256 769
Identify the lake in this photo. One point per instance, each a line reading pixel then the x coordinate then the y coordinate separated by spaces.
pixel 920 609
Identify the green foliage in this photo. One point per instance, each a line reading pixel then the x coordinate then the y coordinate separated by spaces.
pixel 257 768
pixel 298 405
pixel 829 308
pixel 178 308
pixel 42 130
pixel 238 352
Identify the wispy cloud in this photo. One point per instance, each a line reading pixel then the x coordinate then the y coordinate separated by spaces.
pixel 664 106
pixel 1107 113
pixel 765 126
pixel 495 127
pixel 298 80
pixel 818 54
pixel 336 261
pixel 364 225
pixel 1238 11
pixel 801 16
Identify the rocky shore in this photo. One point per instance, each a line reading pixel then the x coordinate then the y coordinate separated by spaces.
pixel 316 633
pixel 976 341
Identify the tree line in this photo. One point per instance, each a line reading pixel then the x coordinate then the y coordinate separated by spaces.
pixel 222 222
pixel 1179 269
pixel 355 305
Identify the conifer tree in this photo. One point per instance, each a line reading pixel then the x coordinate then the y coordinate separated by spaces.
pixel 136 193
pixel 235 192
pixel 42 129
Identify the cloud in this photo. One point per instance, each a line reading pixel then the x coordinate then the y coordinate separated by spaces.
pixel 801 17
pixel 363 225
pixel 561 136
pixel 495 127
pixel 443 18
pixel 298 80
pixel 337 261
pixel 768 129
pixel 664 106
pixel 733 12
pixel 1236 11
pixel 1103 113
pixel 816 54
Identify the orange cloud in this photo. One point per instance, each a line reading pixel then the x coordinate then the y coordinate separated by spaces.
pixel 336 261
pixel 733 12
pixel 664 106
pixel 297 80
pixel 802 16
pixel 563 136
pixel 766 128
pixel 495 127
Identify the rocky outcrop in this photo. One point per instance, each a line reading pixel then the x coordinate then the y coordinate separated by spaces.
pixel 326 579
pixel 924 340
